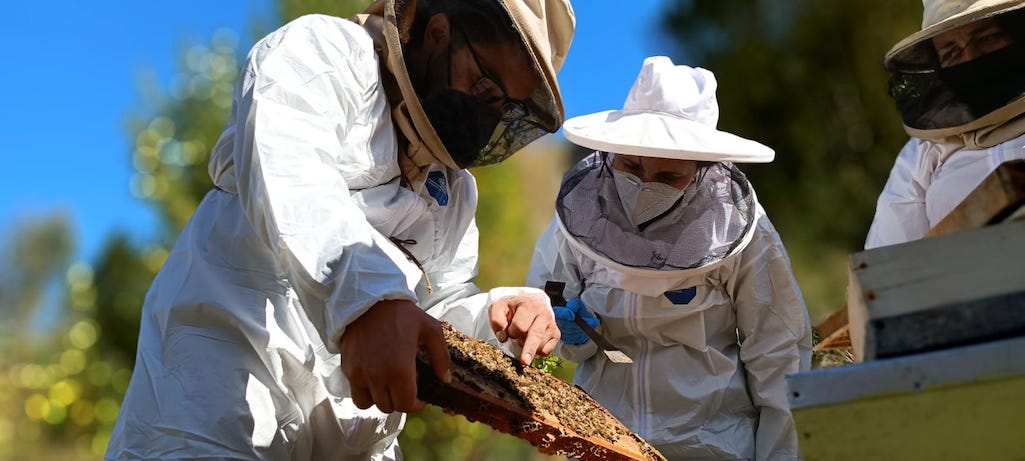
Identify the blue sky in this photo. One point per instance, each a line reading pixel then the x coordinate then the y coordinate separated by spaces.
pixel 70 76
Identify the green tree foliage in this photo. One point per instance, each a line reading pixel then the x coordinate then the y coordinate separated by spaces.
pixel 65 391
pixel 291 9
pixel 54 386
pixel 806 78
pixel 122 276
pixel 176 131
pixel 38 253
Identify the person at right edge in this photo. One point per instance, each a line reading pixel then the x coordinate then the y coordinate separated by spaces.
pixel 664 249
pixel 958 84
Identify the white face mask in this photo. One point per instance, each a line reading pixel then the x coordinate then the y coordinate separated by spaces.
pixel 643 201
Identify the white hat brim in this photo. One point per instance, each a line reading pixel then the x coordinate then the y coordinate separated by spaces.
pixel 654 134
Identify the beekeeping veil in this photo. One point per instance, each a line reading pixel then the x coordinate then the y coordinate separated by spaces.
pixel 670 112
pixel 546 28
pixel 931 107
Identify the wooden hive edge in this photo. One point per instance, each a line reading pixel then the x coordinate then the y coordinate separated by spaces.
pixel 498 400
pixel 548 435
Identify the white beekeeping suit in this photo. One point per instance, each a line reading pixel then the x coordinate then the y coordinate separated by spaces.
pixel 928 181
pixel 702 297
pixel 961 101
pixel 309 226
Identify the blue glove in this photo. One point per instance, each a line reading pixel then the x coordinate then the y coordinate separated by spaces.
pixel 571 332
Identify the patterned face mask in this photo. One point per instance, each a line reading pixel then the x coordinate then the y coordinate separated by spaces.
pixel 463 124
pixel 644 201
pixel 516 129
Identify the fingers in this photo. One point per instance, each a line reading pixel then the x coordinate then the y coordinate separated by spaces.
pixel 400 396
pixel 388 398
pixel 562 313
pixel 388 394
pixel 549 346
pixel 359 387
pixel 530 318
pixel 381 366
pixel 382 396
pixel 537 338
pixel 576 305
pixel 436 350
pixel 499 314
pixel 533 326
pixel 361 397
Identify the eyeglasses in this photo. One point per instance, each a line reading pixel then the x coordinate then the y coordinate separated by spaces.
pixel 489 88
pixel 517 126
pixel 514 131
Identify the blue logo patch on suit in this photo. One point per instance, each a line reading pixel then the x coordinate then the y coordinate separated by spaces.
pixel 683 296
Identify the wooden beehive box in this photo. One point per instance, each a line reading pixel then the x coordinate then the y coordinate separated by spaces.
pixel 955 404
pixel 1000 197
pixel 936 293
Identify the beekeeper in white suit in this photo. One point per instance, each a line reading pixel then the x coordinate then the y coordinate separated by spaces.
pixel 959 84
pixel 285 323
pixel 665 249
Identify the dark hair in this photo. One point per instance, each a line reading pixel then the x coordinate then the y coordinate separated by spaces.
pixel 484 21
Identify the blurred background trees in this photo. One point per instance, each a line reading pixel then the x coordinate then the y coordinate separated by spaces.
pixel 802 76
pixel 805 77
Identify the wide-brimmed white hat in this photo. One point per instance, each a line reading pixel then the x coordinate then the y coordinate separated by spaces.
pixel 914 53
pixel 671 112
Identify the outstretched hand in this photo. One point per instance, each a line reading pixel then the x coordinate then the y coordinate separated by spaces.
pixel 528 319
pixel 378 352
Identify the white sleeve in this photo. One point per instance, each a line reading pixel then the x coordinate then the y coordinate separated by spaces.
pixel 454 297
pixel 900 212
pixel 302 89
pixel 775 337
pixel 457 300
pixel 554 260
